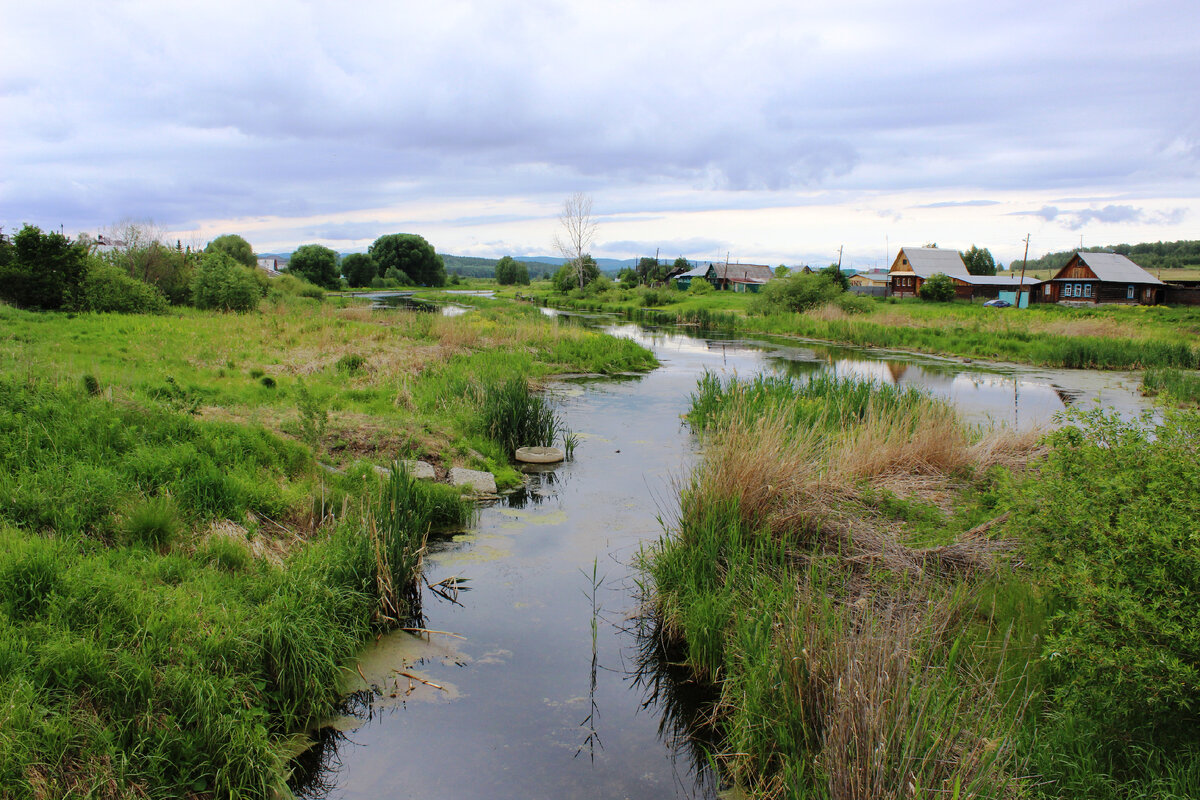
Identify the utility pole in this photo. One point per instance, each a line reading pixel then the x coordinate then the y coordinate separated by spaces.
pixel 840 257
pixel 1024 261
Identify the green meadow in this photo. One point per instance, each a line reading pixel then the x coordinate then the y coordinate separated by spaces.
pixel 195 540
pixel 1105 337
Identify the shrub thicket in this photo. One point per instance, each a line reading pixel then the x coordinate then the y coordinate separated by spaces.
pixel 795 293
pixel 938 288
pixel 221 283
pixel 108 288
pixel 1111 523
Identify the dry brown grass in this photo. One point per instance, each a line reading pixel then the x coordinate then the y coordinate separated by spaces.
pixel 1087 326
pixel 894 727
pixel 859 658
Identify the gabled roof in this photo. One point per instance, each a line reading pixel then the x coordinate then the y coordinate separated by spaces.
pixel 927 261
pixel 744 273
pixel 1115 268
pixel 696 272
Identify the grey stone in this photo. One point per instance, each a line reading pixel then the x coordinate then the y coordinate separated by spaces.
pixel 421 470
pixel 482 482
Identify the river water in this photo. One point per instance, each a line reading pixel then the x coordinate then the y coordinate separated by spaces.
pixel 538 693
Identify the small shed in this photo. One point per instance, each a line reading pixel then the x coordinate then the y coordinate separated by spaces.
pixel 684 279
pixel 1102 278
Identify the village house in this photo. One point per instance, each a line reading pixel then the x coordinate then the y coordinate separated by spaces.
pixel 272 265
pixel 1102 278
pixel 740 277
pixel 915 265
pixel 876 278
pixel 684 279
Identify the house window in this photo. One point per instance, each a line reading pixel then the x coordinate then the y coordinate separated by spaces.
pixel 1129 293
pixel 1046 290
pixel 1078 290
pixel 1087 290
pixel 1066 290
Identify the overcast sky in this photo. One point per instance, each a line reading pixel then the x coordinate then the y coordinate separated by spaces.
pixel 772 131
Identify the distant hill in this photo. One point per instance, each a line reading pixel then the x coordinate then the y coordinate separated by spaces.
pixel 475 267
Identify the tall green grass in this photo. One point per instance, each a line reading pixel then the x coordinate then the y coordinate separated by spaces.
pixel 516 417
pixel 1179 386
pixel 139 657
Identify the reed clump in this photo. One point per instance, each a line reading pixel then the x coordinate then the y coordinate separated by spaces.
pixel 850 662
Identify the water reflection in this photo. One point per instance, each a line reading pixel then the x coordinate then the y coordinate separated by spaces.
pixel 985 393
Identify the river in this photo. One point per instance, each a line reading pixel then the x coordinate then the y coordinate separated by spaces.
pixel 538 692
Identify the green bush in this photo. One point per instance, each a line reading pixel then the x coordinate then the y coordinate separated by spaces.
pixel 107 288
pixel 700 286
pixel 938 288
pixel 223 284
pixel 1111 520
pixel 795 293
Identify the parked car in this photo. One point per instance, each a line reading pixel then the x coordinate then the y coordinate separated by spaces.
pixel 998 304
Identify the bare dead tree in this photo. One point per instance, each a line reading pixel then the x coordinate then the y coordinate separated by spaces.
pixel 578 230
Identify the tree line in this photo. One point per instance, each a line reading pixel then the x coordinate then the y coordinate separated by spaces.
pixel 1183 254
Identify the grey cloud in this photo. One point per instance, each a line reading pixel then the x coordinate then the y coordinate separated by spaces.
pixel 350 231
pixel 1111 214
pixel 308 110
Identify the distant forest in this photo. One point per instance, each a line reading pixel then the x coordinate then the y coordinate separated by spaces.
pixel 471 267
pixel 1150 256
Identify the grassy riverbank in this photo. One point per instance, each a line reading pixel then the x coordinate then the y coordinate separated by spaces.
pixel 1106 337
pixel 893 605
pixel 181 582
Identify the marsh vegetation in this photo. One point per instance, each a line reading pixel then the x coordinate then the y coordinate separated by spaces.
pixel 892 604
pixel 194 537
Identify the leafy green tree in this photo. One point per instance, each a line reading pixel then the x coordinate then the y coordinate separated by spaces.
pixel 570 276
pixel 41 270
pixel 223 284
pixel 506 271
pixel 782 271
pixel 410 254
pixel 317 264
pixel 837 277
pixel 628 278
pixel 979 261
pixel 522 274
pixel 359 269
pixel 681 263
pixel 235 247
pixel 646 267
pixel 938 288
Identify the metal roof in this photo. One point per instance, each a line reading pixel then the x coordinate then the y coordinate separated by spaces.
pixel 1116 269
pixel 998 280
pixel 695 272
pixel 927 261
